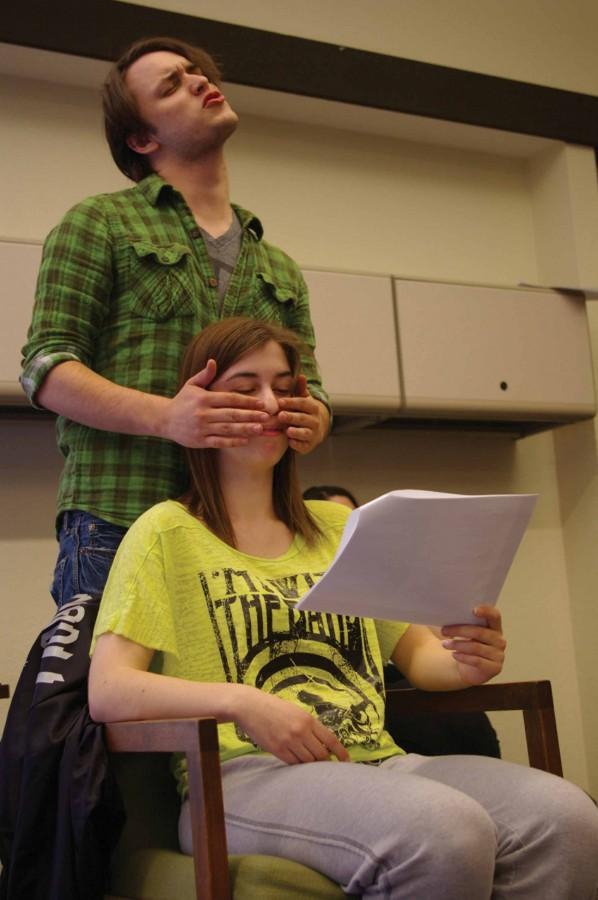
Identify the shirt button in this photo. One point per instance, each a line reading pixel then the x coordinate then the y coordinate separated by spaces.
pixel 195 233
pixel 213 282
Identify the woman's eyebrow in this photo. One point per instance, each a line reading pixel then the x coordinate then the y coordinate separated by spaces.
pixel 168 78
pixel 285 374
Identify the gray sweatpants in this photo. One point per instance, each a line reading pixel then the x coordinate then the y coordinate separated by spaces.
pixel 415 827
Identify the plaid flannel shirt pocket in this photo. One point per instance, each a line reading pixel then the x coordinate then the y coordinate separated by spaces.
pixel 161 281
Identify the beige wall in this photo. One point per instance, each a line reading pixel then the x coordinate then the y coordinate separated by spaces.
pixel 551 42
pixel 354 201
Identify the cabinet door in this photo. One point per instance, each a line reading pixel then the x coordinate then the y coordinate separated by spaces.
pixel 19 263
pixel 356 345
pixel 480 351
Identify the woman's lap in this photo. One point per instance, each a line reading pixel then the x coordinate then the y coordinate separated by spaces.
pixel 416 822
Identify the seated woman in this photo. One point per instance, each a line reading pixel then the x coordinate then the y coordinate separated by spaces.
pixel 199 619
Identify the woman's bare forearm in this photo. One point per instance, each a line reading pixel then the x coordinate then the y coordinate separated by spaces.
pixel 130 694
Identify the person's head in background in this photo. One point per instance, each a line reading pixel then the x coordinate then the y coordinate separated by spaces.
pixel 331 492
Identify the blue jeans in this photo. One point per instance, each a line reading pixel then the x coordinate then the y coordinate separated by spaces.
pixel 87 545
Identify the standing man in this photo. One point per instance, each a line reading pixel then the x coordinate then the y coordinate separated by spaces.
pixel 126 280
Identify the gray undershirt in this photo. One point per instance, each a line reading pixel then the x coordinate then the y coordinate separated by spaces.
pixel 224 252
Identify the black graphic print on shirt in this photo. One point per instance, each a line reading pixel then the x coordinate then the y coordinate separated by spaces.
pixel 321 661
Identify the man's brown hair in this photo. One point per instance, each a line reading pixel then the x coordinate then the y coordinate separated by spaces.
pixel 121 115
pixel 227 341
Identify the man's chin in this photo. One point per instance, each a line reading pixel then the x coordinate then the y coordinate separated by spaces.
pixel 222 128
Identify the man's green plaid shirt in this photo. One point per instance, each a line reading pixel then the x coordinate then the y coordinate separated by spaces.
pixel 125 283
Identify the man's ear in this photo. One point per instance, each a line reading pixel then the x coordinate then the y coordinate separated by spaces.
pixel 142 143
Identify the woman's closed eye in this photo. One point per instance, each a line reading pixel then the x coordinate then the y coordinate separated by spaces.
pixel 278 392
pixel 170 85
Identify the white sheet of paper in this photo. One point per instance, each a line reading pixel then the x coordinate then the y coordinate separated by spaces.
pixel 423 556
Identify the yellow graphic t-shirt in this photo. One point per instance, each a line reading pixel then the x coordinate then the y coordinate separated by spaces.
pixel 214 614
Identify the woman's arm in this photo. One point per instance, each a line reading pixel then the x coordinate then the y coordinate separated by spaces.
pixel 121 688
pixel 466 655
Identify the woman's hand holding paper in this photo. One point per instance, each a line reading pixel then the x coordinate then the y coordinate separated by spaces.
pixel 478 650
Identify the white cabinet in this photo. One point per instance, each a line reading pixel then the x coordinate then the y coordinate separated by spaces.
pixel 402 349
pixel 356 343
pixel 471 351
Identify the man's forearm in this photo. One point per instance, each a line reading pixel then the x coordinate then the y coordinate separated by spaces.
pixel 73 390
pixel 194 417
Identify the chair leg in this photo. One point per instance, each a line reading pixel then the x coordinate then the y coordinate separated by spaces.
pixel 198 739
pixel 542 740
pixel 207 823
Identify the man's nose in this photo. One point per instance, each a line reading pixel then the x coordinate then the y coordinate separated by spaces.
pixel 197 82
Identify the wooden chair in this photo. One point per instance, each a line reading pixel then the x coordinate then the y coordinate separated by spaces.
pixel 533 698
pixel 198 739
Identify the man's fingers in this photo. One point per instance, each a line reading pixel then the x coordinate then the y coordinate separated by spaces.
pixel 217 414
pixel 299 434
pixel 298 419
pixel 204 377
pixel 299 406
pixel 234 403
pixel 216 442
pixel 302 447
pixel 301 389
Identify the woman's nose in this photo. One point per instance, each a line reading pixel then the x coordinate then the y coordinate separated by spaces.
pixel 270 402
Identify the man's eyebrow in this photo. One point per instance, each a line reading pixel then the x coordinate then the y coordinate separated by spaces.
pixel 175 71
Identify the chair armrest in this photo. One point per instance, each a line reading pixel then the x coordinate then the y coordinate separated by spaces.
pixel 198 739
pixel 162 736
pixel 508 695
pixel 533 698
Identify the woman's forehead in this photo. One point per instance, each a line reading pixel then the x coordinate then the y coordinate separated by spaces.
pixel 270 358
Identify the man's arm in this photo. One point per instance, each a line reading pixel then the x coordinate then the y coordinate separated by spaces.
pixel 307 419
pixel 74 292
pixel 307 415
pixel 467 654
pixel 195 417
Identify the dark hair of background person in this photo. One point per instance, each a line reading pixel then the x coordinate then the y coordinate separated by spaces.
pixel 226 341
pixel 326 491
pixel 121 115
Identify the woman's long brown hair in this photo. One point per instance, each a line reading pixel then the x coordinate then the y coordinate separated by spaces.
pixel 227 341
